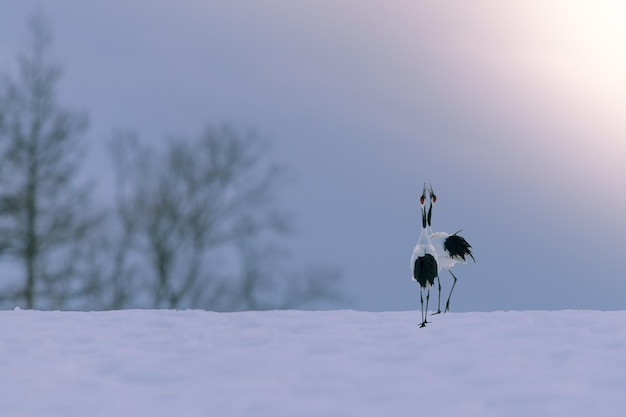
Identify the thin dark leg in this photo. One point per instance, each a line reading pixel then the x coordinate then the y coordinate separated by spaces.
pixel 426 313
pixel 451 289
pixel 423 323
pixel 439 299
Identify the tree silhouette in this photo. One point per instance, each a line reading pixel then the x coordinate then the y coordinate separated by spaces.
pixel 194 224
pixel 198 220
pixel 44 215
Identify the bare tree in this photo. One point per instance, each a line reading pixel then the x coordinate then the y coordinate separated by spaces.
pixel 195 223
pixel 44 217
pixel 199 215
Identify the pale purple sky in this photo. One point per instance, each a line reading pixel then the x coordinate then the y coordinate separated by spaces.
pixel 516 112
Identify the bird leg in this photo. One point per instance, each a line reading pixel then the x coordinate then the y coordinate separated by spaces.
pixel 439 299
pixel 424 311
pixel 451 289
pixel 423 323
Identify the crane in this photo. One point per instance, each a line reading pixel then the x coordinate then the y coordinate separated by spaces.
pixel 424 264
pixel 450 249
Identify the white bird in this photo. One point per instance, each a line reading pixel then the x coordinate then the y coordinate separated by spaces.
pixel 450 249
pixel 424 260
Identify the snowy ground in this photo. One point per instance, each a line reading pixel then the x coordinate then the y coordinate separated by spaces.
pixel 293 363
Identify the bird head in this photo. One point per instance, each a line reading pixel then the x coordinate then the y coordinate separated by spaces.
pixel 423 197
pixel 423 206
pixel 433 200
pixel 433 197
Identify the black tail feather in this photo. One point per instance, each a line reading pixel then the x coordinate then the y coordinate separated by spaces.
pixel 456 245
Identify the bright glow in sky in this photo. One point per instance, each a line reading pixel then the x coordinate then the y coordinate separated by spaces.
pixel 549 77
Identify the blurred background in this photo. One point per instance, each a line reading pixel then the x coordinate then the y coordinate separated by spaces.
pixel 256 155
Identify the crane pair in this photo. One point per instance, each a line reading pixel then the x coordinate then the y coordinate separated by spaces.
pixel 433 252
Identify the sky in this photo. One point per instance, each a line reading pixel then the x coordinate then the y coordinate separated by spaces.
pixel 514 112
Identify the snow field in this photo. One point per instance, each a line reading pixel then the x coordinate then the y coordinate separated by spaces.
pixel 322 363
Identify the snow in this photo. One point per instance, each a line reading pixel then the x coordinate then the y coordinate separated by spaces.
pixel 297 363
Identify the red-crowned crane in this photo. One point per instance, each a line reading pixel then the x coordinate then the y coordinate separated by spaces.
pixel 450 248
pixel 424 261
